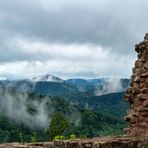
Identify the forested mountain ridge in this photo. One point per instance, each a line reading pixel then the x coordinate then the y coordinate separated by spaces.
pixel 54 86
pixel 90 107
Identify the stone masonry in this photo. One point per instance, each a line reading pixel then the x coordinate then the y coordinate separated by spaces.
pixel 108 142
pixel 137 93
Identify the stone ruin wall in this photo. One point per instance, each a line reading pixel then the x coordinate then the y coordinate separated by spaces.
pixel 108 142
pixel 137 93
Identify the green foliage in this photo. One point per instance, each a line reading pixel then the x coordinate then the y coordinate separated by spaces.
pixel 21 138
pixel 72 137
pixel 59 124
pixel 82 136
pixel 34 137
pixel 13 132
pixel 103 116
pixel 59 138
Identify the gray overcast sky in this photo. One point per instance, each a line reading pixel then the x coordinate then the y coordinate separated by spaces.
pixel 70 38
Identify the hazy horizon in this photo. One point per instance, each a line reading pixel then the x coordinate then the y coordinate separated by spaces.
pixel 64 78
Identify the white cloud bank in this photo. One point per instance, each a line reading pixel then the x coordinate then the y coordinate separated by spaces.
pixel 87 38
pixel 64 60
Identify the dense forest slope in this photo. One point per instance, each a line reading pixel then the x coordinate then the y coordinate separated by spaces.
pixel 23 114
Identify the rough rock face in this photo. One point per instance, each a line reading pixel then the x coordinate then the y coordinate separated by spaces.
pixel 108 142
pixel 137 94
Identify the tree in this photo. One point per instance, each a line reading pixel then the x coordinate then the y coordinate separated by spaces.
pixel 58 125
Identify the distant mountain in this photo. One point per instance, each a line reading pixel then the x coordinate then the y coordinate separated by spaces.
pixel 41 85
pixel 100 86
pixel 113 102
pixel 85 82
pixel 94 107
pixel 47 78
pixel 55 86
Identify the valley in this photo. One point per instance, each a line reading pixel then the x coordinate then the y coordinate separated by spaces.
pixel 28 106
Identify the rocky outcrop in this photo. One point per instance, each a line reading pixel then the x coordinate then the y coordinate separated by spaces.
pixel 109 142
pixel 137 94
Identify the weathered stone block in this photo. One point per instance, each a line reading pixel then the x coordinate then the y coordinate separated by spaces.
pixel 137 94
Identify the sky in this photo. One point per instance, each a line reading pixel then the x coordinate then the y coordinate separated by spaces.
pixel 70 38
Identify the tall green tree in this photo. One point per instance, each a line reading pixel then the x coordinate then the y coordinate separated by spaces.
pixel 58 125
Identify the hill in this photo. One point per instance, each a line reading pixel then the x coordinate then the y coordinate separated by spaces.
pixel 26 113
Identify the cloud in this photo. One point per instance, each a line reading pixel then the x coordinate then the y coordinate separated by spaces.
pixel 16 106
pixel 108 22
pixel 39 50
pixel 111 85
pixel 40 31
pixel 65 60
pixel 33 112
